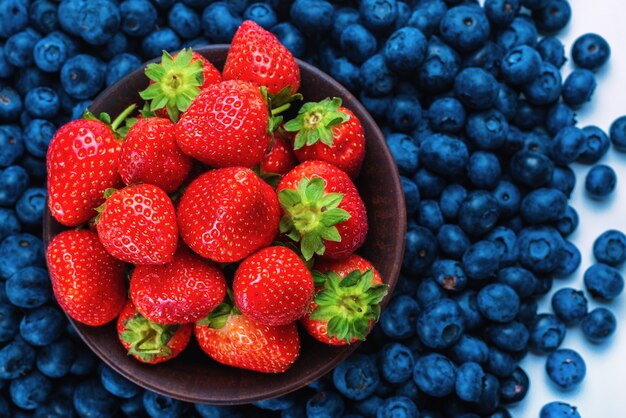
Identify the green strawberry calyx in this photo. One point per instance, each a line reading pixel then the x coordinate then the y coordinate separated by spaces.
pixel 177 82
pixel 277 104
pixel 119 130
pixel 311 215
pixel 315 122
pixel 219 316
pixel 348 305
pixel 147 339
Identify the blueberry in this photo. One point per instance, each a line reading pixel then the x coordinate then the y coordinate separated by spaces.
pixel 161 406
pixel 440 67
pixel 376 105
pixel 43 16
pixel 610 247
pixel 558 410
pixel 483 170
pixel 543 205
pixel 563 179
pixel 440 324
pixel 91 399
pixel 397 407
pixel 6 69
pixel 13 17
pixel 501 12
pixel 411 195
pixel 421 250
pixel 545 88
pixel 11 144
pixel 479 213
pixel 467 301
pixel 447 115
pixel 56 406
pixel 543 285
pixel 357 377
pixel 505 240
pixel 42 326
pixel 345 72
pixel 553 17
pixel 476 88
pixel 500 363
pixel 521 31
pixel 506 103
pixel 82 76
pixel 552 51
pixel 405 153
pixel 519 279
pixel 120 66
pixel 566 368
pixel 396 363
pixel 84 361
pixel 603 281
pixel 99 20
pixel 51 52
pixel 449 275
pixel 444 154
pixel 399 319
pixel 277 404
pixel 405 49
pixel 262 14
pixel 404 113
pixel 430 215
pixel 470 349
pixel 36 167
pixel 117 385
pixel 18 251
pixel 465 27
pixel 535 4
pixel 19 48
pixel 29 288
pixel 42 102
pixel 600 181
pixel 344 17
pixel 498 302
pixel 165 39
pixel 528 116
pixel 512 336
pixel 378 15
pixel 487 130
pixel 427 15
pixel 403 15
pixel 481 260
pixel 55 360
pixel 312 16
pixel 451 199
pixel 539 248
pixel 13 182
pixel 617 133
pixel 377 79
pixel 186 22
pixel 558 117
pixel 37 136
pixel 119 44
pixel 596 145
pixel 508 196
pixel 598 325
pixel 435 375
pixel 31 391
pixel 590 51
pixel 16 359
pixel 568 223
pixel 569 260
pixel 528 311
pixel 357 43
pixel 531 168
pixel 489 400
pixel 429 292
pixel 469 381
pixel 453 242
pixel 10 104
pixel 547 332
pixel 514 388
pixel 579 87
pixel 366 407
pixel 521 65
pixel 9 322
pixel 28 78
pixel 325 404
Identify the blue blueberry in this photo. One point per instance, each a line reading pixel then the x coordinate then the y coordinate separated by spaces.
pixel 569 260
pixel 43 16
pixel 357 43
pixel 545 88
pixel 42 326
pixel 55 360
pixel 411 195
pixel 519 279
pixel 543 205
pixel 578 87
pixel 397 407
pixel 505 240
pixel 521 65
pixel 537 141
pixel 399 319
pixel 118 44
pixel 487 130
pixel 18 49
pixel 563 179
pixel 117 384
pixel 531 168
pixel 345 72
pixel 439 68
pixel 481 260
pixel 13 17
pixel 11 144
pixel 465 27
pixel 13 181
pixel 476 88
pixel 447 115
pixel 366 407
pixel 600 181
pixel 31 391
pixel 376 105
pixel 470 349
pixel 488 58
pixel 596 145
pixel 590 51
pixel 539 248
pixel 82 76
pixel 277 404
pixel 569 305
pixel 547 332
pixel 483 170
pixel 453 242
pixel 552 51
pixel 500 363
pixel 261 13
pixel 37 136
pixel 312 16
pixel 344 17
pixel 440 324
pixel 396 363
pixel 498 302
pixel 185 21
pixel 543 285
pixel 528 116
pixel 427 15
pixel 16 359
pixel 467 301
pixel 325 404
pixel 598 325
pixel 85 361
pixel 56 406
pixel 428 292
pixel 30 77
pixel 553 17
pixel 120 66
pixel 469 382
pixel 509 197
pixel 451 199
pixel 514 388
pixel 566 368
pixel 69 13
pixel 528 311
pixel 18 251
pixel 490 398
pixel 378 15
pixel 42 102
pixel 603 281
pixel 161 406
pixel 99 20
pixel 435 375
pixel 558 117
pixel 568 223
pixel 617 133
pixel 165 39
pixel 6 69
pixel 444 154
pixel 10 104
pixel 405 153
pixel 9 322
pixel 512 336
pixel 403 15
pixel 501 12
pixel 506 103
pixel 92 400
pixel 51 52
pixel 405 49
pixel 559 410
pixel 376 77
pixel 420 251
pixel 479 213
pixel 610 247
pixel 404 113
pixel 521 31
pixel 429 215
pixel 29 288
pixel 357 377
pixel 449 275
pixel 534 4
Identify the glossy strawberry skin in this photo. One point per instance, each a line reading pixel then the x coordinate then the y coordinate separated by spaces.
pixel 343 267
pixel 227 214
pixel 280 158
pixel 177 343
pixel 88 283
pixel 273 286
pixel 138 225
pixel 150 155
pixel 82 162
pixel 211 74
pixel 225 126
pixel 182 291
pixel 354 230
pixel 257 56
pixel 348 149
pixel 249 345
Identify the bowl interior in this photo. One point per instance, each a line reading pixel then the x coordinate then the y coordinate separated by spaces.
pixel 193 376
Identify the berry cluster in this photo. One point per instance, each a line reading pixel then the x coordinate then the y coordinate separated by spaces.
pixel 481 125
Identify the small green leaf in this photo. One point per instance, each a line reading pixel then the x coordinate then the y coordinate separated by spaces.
pixel 315 189
pixel 289 198
pixel 331 200
pixel 318 278
pixel 335 216
pixel 331 234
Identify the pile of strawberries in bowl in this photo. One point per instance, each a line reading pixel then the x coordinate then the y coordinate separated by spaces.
pixel 207 213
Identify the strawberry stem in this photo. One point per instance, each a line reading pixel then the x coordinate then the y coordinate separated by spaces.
pixel 148 340
pixel 122 117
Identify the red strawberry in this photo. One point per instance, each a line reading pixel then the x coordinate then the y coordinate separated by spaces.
pixel 137 225
pixel 257 56
pixel 150 155
pixel 280 158
pixel 328 132
pixel 226 126
pixel 235 340
pixel 273 286
pixel 149 342
pixel 88 283
pixel 228 214
pixel 323 210
pixel 185 290
pixel 82 162
pixel 176 81
pixel 347 303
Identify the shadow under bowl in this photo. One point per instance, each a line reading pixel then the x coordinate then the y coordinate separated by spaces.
pixel 193 376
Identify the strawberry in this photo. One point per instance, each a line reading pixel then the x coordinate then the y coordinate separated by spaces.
pixel 327 131
pixel 233 339
pixel 137 225
pixel 273 286
pixel 258 57
pixel 228 214
pixel 147 341
pixel 82 162
pixel 322 210
pixel 182 291
pixel 176 81
pixel 226 126
pixel 88 283
pixel 347 303
pixel 280 158
pixel 150 155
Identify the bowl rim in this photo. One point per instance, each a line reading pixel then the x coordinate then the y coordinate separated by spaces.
pixel 344 351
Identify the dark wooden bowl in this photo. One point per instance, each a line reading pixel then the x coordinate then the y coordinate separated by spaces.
pixel 193 376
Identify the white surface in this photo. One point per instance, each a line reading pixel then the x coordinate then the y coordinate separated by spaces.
pixel 603 392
